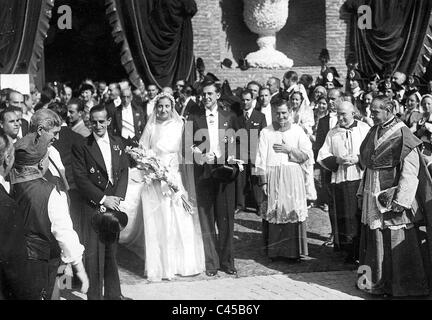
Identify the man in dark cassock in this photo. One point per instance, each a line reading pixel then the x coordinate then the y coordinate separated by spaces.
pixel 48 229
pixel 13 253
pixel 395 196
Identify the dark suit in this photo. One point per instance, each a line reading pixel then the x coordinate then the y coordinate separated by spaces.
pixel 191 108
pixel 24 127
pixel 92 178
pixel 13 253
pixel 324 192
pixel 139 119
pixel 216 200
pixel 247 184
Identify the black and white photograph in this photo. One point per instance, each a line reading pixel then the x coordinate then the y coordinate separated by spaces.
pixel 209 151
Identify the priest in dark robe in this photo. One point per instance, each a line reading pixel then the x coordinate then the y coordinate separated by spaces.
pixel 393 198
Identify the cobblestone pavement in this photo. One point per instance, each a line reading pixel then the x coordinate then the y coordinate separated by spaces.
pixel 321 275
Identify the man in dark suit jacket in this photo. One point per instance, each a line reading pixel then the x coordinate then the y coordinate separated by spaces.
pixel 325 124
pixel 186 106
pixel 100 168
pixel 129 119
pixel 253 121
pixel 214 142
pixel 13 254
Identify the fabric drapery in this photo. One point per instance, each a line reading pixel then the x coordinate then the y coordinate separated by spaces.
pixel 157 39
pixel 398 30
pixel 23 28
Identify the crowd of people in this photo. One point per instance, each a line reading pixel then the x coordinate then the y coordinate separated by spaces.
pixel 68 183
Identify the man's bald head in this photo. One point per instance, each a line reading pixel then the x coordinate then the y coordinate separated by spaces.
pixel 345 113
pixel 399 77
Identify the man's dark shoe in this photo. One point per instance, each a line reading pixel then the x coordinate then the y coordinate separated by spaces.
pixel 211 273
pixel 230 271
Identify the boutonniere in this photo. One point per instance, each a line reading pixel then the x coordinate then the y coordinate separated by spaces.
pixel 92 170
pixel 116 147
pixel 226 124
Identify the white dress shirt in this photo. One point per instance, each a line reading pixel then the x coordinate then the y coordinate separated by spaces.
pixel 150 106
pixel 212 118
pixel 333 120
pixel 62 228
pixel 105 148
pixel 5 184
pixel 117 102
pixel 268 114
pixel 128 129
pixel 56 166
pixel 248 113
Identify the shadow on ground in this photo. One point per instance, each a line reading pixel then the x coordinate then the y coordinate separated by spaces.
pixel 249 258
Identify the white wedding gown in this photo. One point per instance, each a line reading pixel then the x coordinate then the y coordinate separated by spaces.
pixel 159 229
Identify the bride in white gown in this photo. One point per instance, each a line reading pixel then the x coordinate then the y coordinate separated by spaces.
pixel 160 230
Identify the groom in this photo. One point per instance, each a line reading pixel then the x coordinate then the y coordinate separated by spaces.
pixel 216 199
pixel 100 168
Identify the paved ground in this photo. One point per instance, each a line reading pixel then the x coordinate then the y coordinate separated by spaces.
pixel 321 275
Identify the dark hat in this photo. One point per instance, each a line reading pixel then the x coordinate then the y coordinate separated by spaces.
pixel 210 77
pixel 226 63
pixel 225 173
pixel 330 75
pixel 351 60
pixel 31 149
pixel 86 86
pixel 324 54
pixel 108 224
pixel 414 92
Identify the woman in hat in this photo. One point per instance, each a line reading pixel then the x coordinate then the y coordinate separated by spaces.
pixel 163 232
pixel 284 154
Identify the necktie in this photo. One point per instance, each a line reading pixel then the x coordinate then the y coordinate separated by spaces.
pixel 247 116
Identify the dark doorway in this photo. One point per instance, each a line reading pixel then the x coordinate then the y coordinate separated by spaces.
pixel 86 51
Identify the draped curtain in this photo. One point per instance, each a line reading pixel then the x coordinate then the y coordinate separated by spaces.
pixel 156 37
pixel 23 28
pixel 397 34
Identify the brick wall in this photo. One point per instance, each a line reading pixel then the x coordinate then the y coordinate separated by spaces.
pixel 220 32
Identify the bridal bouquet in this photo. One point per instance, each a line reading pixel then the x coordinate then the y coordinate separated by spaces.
pixel 155 171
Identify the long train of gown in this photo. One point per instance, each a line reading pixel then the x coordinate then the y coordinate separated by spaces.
pixel 159 230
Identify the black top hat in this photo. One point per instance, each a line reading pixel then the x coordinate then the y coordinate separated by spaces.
pixel 108 224
pixel 210 77
pixel 226 63
pixel 225 173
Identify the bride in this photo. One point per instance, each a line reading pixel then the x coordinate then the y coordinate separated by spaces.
pixel 160 230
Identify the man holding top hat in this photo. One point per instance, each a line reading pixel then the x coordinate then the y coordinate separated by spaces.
pixel 100 168
pixel 48 227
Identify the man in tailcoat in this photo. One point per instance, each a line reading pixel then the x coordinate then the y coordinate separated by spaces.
pixel 100 168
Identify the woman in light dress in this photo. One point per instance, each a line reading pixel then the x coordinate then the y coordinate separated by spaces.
pixel 160 230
